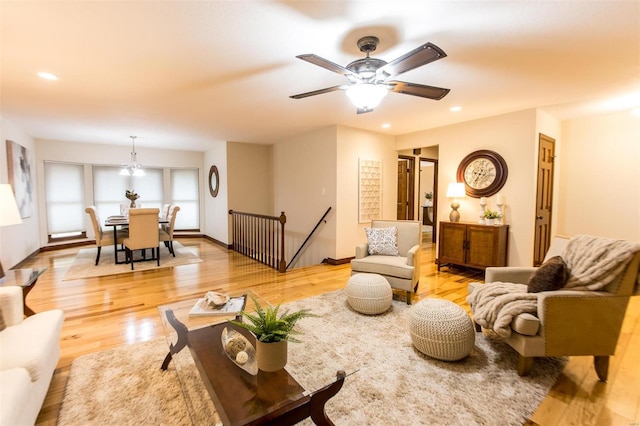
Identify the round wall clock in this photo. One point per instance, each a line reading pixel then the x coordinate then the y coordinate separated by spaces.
pixel 483 172
pixel 214 181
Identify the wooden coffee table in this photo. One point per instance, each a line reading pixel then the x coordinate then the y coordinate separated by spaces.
pixel 239 398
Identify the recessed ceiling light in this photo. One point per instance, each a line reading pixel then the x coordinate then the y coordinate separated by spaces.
pixel 47 76
pixel 455 108
pixel 386 125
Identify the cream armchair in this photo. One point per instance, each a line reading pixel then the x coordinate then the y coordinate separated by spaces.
pixel 402 271
pixel 568 322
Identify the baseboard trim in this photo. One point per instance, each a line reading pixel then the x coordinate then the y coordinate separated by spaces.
pixel 336 262
pixel 220 243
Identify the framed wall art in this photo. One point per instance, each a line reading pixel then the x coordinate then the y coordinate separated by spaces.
pixel 20 165
pixel 369 190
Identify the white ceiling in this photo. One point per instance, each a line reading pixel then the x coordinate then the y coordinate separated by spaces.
pixel 187 74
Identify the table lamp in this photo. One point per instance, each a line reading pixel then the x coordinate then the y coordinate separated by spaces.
pixel 455 191
pixel 9 214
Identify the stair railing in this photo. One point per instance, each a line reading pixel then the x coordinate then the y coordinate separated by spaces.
pixel 309 237
pixel 259 237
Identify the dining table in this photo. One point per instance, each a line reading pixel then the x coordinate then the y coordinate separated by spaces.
pixel 123 221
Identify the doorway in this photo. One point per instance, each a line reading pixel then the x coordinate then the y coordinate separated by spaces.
pixel 428 196
pixel 406 188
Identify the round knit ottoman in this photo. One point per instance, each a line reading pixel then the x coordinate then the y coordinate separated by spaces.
pixel 442 330
pixel 369 293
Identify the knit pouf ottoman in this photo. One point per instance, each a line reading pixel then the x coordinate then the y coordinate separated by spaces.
pixel 369 293
pixel 442 330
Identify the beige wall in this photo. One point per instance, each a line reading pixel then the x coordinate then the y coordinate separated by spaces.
pixel 217 209
pixel 18 241
pixel 514 137
pixel 304 179
pixel 250 177
pixel 355 144
pixel 599 190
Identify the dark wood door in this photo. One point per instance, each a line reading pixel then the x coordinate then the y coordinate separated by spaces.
pixel 544 198
pixel 403 184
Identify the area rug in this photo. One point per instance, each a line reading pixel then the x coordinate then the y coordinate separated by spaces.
pixel 391 382
pixel 84 266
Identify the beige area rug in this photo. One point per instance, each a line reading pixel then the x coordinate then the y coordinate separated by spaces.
pixel 84 266
pixel 393 384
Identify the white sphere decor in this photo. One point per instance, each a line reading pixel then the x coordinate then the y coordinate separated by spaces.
pixel 442 330
pixel 369 294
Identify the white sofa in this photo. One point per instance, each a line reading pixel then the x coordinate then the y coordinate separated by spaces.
pixel 29 353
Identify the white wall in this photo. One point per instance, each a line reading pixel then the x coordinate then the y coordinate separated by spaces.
pixel 514 137
pixel 217 209
pixel 599 190
pixel 355 144
pixel 18 241
pixel 304 179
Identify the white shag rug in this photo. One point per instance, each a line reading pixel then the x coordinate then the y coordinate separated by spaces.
pixel 394 383
pixel 84 266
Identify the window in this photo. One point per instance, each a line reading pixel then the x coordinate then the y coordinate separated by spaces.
pixel 109 188
pixel 64 195
pixel 185 192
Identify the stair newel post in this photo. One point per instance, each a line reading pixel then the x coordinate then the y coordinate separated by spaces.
pixel 283 264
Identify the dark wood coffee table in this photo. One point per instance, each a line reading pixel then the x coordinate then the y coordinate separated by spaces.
pixel 239 397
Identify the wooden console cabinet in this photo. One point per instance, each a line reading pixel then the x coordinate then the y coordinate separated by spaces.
pixel 473 245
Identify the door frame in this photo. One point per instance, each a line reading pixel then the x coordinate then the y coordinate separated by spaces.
pixel 411 185
pixel 435 194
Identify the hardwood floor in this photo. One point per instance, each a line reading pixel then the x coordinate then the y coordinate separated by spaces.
pixel 102 313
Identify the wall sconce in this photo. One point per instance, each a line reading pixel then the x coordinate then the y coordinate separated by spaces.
pixel 455 191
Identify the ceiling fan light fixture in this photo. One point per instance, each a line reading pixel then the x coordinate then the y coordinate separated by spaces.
pixel 366 96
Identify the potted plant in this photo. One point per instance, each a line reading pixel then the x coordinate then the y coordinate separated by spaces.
pixel 131 196
pixel 490 216
pixel 272 333
pixel 428 197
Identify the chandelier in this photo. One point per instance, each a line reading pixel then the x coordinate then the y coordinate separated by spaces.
pixel 133 168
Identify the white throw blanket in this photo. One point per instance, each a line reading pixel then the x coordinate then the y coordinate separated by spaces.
pixel 593 264
pixel 496 305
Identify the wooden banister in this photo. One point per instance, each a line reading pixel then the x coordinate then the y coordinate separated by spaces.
pixel 260 237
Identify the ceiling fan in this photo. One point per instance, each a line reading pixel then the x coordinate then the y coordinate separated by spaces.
pixel 369 78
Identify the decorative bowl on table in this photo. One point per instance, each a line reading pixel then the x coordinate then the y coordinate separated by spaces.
pixel 213 299
pixel 239 350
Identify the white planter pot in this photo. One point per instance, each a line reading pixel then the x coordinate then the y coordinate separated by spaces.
pixel 271 356
pixel 490 221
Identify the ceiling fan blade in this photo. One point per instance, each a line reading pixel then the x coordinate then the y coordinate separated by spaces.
pixel 317 92
pixel 419 56
pixel 327 64
pixel 420 90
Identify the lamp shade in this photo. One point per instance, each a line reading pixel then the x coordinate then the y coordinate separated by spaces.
pixel 456 190
pixel 9 214
pixel 366 95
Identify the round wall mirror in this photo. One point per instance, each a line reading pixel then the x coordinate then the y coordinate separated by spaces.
pixel 214 181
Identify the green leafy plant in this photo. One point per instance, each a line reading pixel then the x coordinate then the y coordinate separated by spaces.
pixel 489 214
pixel 268 327
pixel 428 195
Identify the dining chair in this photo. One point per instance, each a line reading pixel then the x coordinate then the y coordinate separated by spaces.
pixel 143 234
pixel 103 238
pixel 166 233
